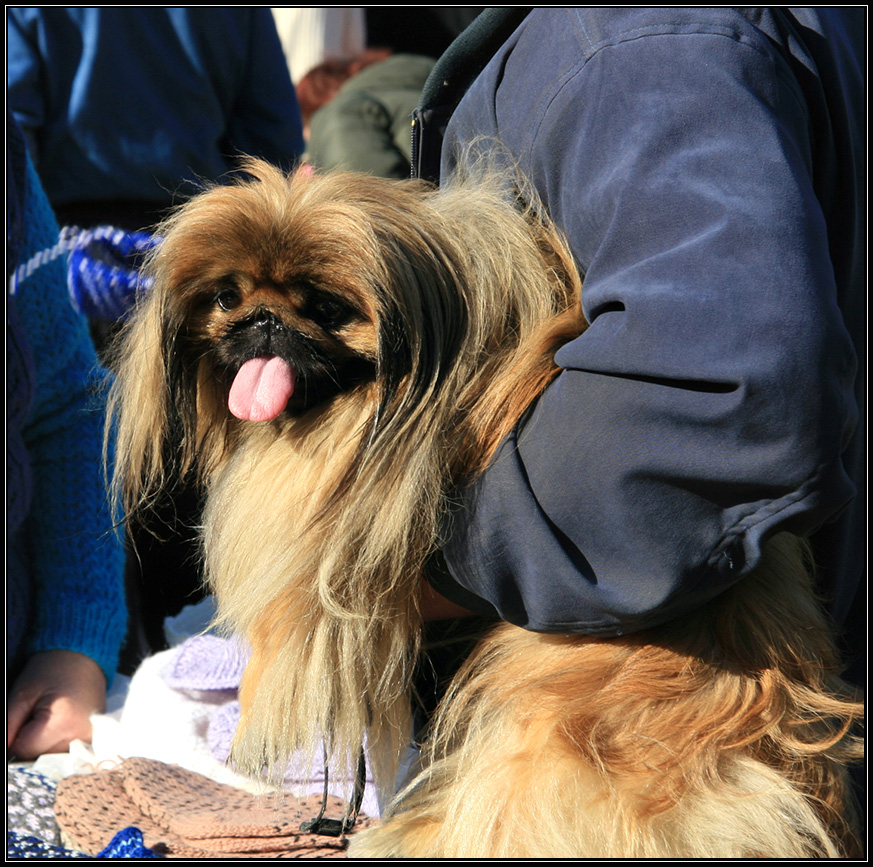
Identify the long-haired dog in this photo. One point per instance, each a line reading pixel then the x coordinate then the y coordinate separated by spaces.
pixel 333 356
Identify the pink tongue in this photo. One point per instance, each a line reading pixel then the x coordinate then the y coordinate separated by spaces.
pixel 261 389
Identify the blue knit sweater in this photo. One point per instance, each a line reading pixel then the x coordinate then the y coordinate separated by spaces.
pixel 64 561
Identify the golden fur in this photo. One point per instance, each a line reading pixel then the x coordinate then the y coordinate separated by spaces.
pixel 725 734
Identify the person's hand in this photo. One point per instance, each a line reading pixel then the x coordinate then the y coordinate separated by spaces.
pixel 51 702
pixel 435 606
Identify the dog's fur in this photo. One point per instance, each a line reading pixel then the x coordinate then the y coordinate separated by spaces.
pixel 420 325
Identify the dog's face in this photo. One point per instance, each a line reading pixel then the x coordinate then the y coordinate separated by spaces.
pixel 280 337
pixel 275 297
pixel 277 312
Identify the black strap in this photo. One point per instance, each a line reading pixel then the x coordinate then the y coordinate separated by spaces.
pixel 327 827
pixel 450 79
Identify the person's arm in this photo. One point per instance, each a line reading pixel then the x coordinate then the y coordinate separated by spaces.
pixel 75 555
pixel 25 85
pixel 708 402
pixel 265 119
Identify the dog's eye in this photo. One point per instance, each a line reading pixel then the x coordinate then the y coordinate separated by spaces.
pixel 228 298
pixel 328 312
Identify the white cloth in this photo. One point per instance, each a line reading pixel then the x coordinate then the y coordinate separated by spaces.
pixel 147 716
pixel 312 34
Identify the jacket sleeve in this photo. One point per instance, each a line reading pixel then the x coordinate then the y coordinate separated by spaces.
pixel 707 404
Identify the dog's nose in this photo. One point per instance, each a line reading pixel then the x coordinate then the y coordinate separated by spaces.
pixel 265 321
pixel 264 318
pixel 259 329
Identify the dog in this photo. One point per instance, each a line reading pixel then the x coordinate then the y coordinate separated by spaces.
pixel 331 356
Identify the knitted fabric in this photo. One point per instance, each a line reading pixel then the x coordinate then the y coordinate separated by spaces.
pixel 222 727
pixel 127 844
pixel 92 808
pixel 72 556
pixel 206 662
pixel 30 799
pixel 184 815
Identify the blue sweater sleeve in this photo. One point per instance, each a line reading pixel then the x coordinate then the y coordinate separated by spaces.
pixel 76 557
pixel 707 404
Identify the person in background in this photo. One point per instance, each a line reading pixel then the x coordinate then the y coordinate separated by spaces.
pixel 312 34
pixel 127 108
pixel 66 615
pixel 357 112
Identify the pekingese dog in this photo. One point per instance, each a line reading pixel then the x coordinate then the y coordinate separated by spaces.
pixel 332 355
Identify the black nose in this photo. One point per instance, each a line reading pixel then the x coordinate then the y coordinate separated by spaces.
pixel 263 318
pixel 257 332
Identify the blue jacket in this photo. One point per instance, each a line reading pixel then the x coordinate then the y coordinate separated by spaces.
pixel 131 103
pixel 707 166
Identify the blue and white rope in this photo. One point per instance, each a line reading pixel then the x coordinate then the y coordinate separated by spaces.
pixel 103 271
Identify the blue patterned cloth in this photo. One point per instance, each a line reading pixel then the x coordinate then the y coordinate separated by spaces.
pixel 32 830
pixel 125 844
pixel 103 272
pixel 22 847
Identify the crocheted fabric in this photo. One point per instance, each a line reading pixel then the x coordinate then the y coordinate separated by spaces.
pixel 125 844
pixel 30 799
pixel 184 815
pixel 22 847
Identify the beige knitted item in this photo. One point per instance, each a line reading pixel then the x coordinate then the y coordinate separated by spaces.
pixel 185 815
pixel 92 808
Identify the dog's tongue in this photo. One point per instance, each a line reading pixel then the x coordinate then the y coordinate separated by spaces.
pixel 261 389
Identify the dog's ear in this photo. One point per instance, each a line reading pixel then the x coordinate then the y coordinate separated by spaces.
pixel 424 318
pixel 150 409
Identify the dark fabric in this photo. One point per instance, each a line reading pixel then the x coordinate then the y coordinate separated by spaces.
pixel 452 75
pixel 427 30
pixel 706 165
pixel 143 103
pixel 19 397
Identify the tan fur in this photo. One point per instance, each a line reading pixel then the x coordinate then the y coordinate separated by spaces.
pixel 722 735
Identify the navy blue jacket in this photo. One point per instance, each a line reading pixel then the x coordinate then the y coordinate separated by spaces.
pixel 707 166
pixel 130 103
